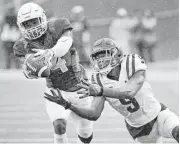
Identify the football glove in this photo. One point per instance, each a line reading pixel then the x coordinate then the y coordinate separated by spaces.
pixel 58 98
pixel 48 54
pixel 89 89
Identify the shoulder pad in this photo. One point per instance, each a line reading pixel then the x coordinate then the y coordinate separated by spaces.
pixel 59 26
pixel 134 63
pixel 19 47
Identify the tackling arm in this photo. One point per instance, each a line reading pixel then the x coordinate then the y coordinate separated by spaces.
pixel 91 113
pixel 130 90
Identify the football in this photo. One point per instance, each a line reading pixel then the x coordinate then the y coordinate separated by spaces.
pixel 37 66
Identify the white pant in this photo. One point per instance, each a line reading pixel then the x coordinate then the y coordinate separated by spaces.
pixel 56 111
pixel 163 127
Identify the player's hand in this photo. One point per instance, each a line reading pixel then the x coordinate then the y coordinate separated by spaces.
pixel 89 89
pixel 47 54
pixel 58 98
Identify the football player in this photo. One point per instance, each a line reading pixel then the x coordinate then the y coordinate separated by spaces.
pixel 81 34
pixel 53 40
pixel 120 80
pixel 149 38
pixel 119 29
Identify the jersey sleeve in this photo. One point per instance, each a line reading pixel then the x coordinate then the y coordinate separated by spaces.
pixel 134 63
pixel 61 26
pixel 96 79
pixel 19 49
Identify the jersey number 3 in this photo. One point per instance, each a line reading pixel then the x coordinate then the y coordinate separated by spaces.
pixel 131 108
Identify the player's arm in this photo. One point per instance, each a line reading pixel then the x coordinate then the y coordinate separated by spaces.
pixel 130 90
pixel 136 73
pixel 62 28
pixel 92 112
pixel 133 86
pixel 63 44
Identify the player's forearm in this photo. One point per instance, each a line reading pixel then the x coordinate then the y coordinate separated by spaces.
pixel 129 90
pixel 117 92
pixel 87 113
pixel 62 46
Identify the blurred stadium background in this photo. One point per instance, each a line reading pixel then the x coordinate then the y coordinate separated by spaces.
pixel 22 111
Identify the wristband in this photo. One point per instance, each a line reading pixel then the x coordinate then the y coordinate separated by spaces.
pixel 68 105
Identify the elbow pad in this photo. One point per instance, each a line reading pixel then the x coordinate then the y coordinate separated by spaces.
pixel 62 46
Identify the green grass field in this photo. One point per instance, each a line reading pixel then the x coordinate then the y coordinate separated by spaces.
pixel 23 118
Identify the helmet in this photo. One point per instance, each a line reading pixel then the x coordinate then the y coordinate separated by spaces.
pixel 105 55
pixel 29 14
pixel 121 12
pixel 77 12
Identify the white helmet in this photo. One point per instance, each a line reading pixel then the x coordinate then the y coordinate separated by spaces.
pixel 28 12
pixel 121 12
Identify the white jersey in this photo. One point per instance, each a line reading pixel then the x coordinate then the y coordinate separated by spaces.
pixel 143 107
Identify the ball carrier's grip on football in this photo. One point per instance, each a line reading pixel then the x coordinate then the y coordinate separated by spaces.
pixel 37 67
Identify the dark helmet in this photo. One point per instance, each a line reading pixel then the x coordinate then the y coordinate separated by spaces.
pixel 105 55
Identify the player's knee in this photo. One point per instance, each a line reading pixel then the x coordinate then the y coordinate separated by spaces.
pixel 85 132
pixel 175 133
pixel 60 126
pixel 86 140
pixel 85 135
